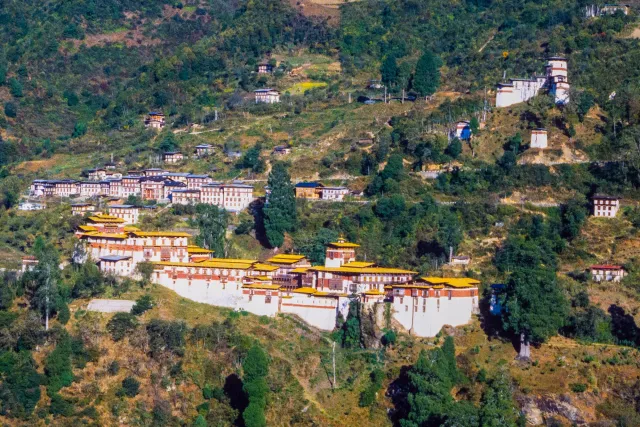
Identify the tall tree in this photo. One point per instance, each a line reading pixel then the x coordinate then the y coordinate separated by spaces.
pixel 426 79
pixel 498 408
pixel 534 306
pixel 255 367
pixel 389 71
pixel 280 212
pixel 212 223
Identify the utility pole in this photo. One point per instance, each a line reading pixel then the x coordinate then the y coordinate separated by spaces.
pixel 484 110
pixel 385 94
pixel 46 298
pixel 349 97
pixel 403 97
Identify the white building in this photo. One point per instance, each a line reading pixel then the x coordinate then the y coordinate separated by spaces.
pixel 555 81
pixel 425 306
pixel 605 206
pixel 607 273
pixel 267 96
pixel 129 213
pixel 538 138
pixel 233 197
pixel 31 206
pixel 334 193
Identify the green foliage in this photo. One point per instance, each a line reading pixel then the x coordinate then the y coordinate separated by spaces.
pixel 63 313
pixel 252 160
pixel 79 129
pixel 121 324
pixel 166 337
pixel 212 222
pixel 427 76
pixel 574 214
pixel 368 396
pixel 256 368
pixel 130 386
pixel 60 406
pixel 15 87
pixel 578 387
pixel 89 281
pixel 455 148
pixel 10 109
pixel 168 143
pixel 145 270
pixel 498 407
pixel 534 304
pixel 280 212
pixel 314 246
pixel 199 422
pixel 351 336
pixel 57 366
pixel 19 385
pixel 389 71
pixel 144 303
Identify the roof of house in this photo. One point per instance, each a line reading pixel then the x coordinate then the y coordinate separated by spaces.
pixel 193 249
pixel 605 197
pixel 309 185
pixel 266 286
pixel 606 267
pixel 160 234
pixel 123 206
pixel 264 267
pixel 114 258
pixel 285 258
pixel 343 244
pixel 363 270
pixel 454 282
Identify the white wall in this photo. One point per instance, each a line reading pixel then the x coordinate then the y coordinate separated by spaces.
pixel 320 312
pixel 456 311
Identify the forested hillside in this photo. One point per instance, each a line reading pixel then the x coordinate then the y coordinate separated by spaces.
pixel 370 94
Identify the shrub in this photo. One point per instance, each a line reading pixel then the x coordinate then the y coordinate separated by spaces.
pixel 10 109
pixel 143 304
pixel 368 396
pixel 578 387
pixel 130 386
pixel 389 338
pixel 114 367
pixel 121 324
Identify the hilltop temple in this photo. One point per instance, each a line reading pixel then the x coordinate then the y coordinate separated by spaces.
pixel 285 283
pixel 555 82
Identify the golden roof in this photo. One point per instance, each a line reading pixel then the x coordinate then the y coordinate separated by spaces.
pixel 358 264
pixel 105 219
pixel 285 259
pixel 368 270
pixel 131 228
pixel 454 282
pixel 264 267
pixel 314 292
pixel 300 270
pixel 87 228
pixel 260 278
pixel 106 235
pixel 373 292
pixel 160 234
pixel 262 286
pixel 342 244
pixel 193 249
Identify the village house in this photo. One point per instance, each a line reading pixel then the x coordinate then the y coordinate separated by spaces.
pixel 97 174
pixel 462 130
pixel 265 68
pixel 29 263
pixel 233 197
pixel 281 150
pixel 115 187
pixel 463 260
pixel 117 265
pixel 308 190
pixel 538 138
pixel 204 150
pixel 333 193
pixel 607 273
pixel 172 157
pixel 129 213
pixel 153 172
pixel 170 186
pixel 605 206
pixel 593 11
pixel 177 176
pixel 185 197
pixel 130 186
pixel 195 182
pixel 555 81
pixel 54 187
pixel 90 188
pixel 81 208
pixel 267 96
pixel 154 120
pixel 152 187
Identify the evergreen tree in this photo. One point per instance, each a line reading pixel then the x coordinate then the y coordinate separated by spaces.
pixel 57 366
pixel 426 79
pixel 256 368
pixel 10 109
pixel 455 148
pixel 15 87
pixel 498 408
pixel 351 333
pixel 212 222
pixel 389 71
pixel 534 306
pixel 280 211
pixel 19 385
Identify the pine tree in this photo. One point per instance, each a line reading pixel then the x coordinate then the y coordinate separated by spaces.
pixel 212 223
pixel 256 368
pixel 280 211
pixel 426 79
pixel 389 71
